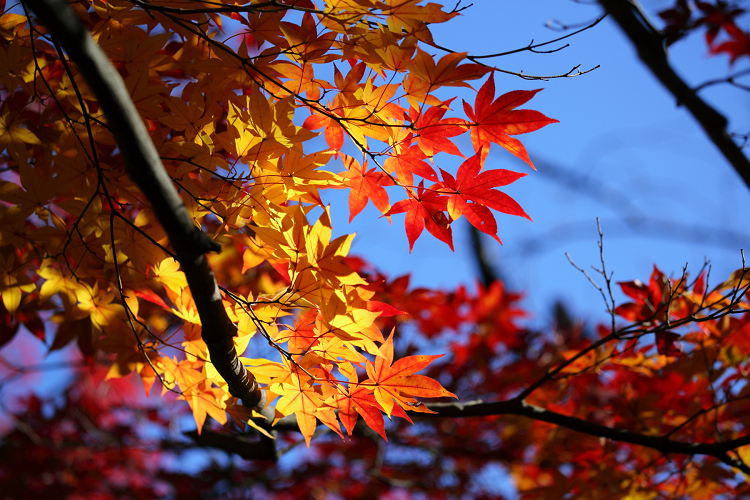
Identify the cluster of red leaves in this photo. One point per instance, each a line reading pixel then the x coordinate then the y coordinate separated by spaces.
pixel 472 193
pixel 717 18
pixel 82 449
pixel 642 382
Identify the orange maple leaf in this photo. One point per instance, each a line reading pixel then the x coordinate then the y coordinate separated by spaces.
pixel 397 382
pixel 302 398
pixel 365 185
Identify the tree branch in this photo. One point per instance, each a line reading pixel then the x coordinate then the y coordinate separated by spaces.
pixel 718 450
pixel 145 169
pixel 521 408
pixel 650 45
pixel 242 445
pixel 481 258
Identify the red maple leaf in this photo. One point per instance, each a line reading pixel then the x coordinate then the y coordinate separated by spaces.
pixel 411 162
pixel 497 121
pixel 649 299
pixel 665 344
pixel 434 130
pixel 738 45
pixel 426 208
pixel 472 194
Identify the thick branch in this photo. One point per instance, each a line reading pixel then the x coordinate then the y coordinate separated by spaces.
pixel 650 45
pixel 146 170
pixel 481 258
pixel 244 446
pixel 515 407
pixel 718 450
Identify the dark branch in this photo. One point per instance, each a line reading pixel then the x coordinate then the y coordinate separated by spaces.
pixel 146 170
pixel 521 408
pixel 246 447
pixel 650 45
pixel 243 445
pixel 532 47
pixel 481 258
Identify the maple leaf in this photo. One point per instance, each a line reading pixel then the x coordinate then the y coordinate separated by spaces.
pixel 254 251
pixel 407 16
pixel 188 116
pixel 365 185
pixel 665 343
pixel 304 42
pixel 193 344
pixel 302 335
pixel 100 306
pixel 16 68
pixel 56 281
pixel 649 299
pixel 129 356
pixel 357 400
pixel 12 284
pixel 206 400
pixel 36 193
pixel 301 177
pixel 738 45
pixel 397 382
pixel 426 208
pixel 410 162
pixel 326 256
pixel 447 71
pixel 302 398
pixel 433 130
pixel 167 272
pixel 495 121
pixel 332 132
pixel 472 193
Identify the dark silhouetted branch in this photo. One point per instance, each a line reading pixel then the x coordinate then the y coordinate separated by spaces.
pixel 487 271
pixel 650 45
pixel 242 445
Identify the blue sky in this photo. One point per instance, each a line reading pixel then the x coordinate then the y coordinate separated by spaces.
pixel 627 154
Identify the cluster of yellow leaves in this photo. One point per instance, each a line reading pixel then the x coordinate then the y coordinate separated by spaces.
pixel 222 95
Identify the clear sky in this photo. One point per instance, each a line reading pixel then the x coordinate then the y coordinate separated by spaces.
pixel 622 151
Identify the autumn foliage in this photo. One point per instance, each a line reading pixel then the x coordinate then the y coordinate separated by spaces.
pixel 258 107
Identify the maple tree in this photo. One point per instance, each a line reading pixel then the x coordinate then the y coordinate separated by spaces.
pixel 162 208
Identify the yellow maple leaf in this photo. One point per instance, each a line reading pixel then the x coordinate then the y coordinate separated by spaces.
pixel 326 256
pixel 167 272
pixel 14 136
pixel 206 400
pixel 99 305
pixel 12 283
pixel 56 281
